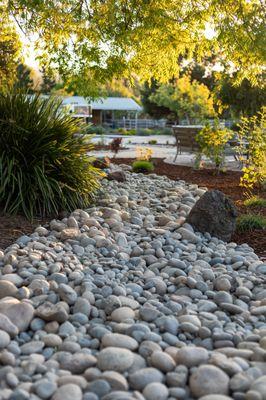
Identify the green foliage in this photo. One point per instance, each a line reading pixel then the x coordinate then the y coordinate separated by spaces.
pixel 250 222
pixel 98 40
pixel 188 100
pixel 244 99
pixel 126 132
pixel 10 49
pixel 122 88
pixel 252 137
pixel 162 131
pixel 23 79
pixel 151 107
pixel 255 201
pixel 152 141
pixel 95 130
pixel 44 163
pixel 48 82
pixel 145 132
pixel 212 142
pixel 142 166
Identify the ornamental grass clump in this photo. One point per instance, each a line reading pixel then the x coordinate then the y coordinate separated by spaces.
pixel 142 166
pixel 250 222
pixel 143 162
pixel 44 163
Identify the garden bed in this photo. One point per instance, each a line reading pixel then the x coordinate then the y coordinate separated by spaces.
pixel 228 183
pixel 11 227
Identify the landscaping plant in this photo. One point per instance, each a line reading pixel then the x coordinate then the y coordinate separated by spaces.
pixel 143 153
pixel 95 130
pixel 255 201
pixel 142 166
pixel 250 222
pixel 143 160
pixel 252 149
pixel 212 141
pixel 115 145
pixel 44 163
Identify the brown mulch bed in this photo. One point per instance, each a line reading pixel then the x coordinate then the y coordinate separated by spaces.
pixel 12 227
pixel 228 183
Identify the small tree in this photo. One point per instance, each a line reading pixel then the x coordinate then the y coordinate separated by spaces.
pixel 212 141
pixel 188 100
pixel 252 149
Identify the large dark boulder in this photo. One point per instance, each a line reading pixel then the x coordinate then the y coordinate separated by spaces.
pixel 214 213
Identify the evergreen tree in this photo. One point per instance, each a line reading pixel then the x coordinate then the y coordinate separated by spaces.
pixel 23 79
pixel 48 82
pixel 243 99
pixel 150 106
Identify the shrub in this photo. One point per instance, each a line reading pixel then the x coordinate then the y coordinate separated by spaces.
pixel 255 201
pixel 142 166
pixel 95 130
pixel 162 131
pixel 250 222
pixel 212 141
pixel 115 145
pixel 252 137
pixel 152 141
pixel 122 130
pixel 44 166
pixel 144 132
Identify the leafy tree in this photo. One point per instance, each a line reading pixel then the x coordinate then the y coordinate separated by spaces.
pixel 10 48
pixel 151 107
pixel 103 39
pixel 198 72
pixel 188 100
pixel 122 88
pixel 244 99
pixel 23 79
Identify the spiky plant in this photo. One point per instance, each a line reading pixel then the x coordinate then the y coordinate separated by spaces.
pixel 44 163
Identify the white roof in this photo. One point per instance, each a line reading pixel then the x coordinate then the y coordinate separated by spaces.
pixel 115 103
pixel 75 100
pixel 109 103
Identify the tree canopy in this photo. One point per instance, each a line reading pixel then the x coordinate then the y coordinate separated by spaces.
pixel 244 99
pixel 188 100
pixel 98 40
pixel 10 48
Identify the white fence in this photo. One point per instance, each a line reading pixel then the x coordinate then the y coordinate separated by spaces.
pixel 136 123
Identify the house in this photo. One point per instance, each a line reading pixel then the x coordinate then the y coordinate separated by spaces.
pixel 112 109
pixel 78 106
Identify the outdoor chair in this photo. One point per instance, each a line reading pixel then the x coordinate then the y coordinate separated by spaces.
pixel 185 138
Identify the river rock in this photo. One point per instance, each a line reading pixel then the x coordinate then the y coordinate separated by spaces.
pixel 20 313
pixel 208 379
